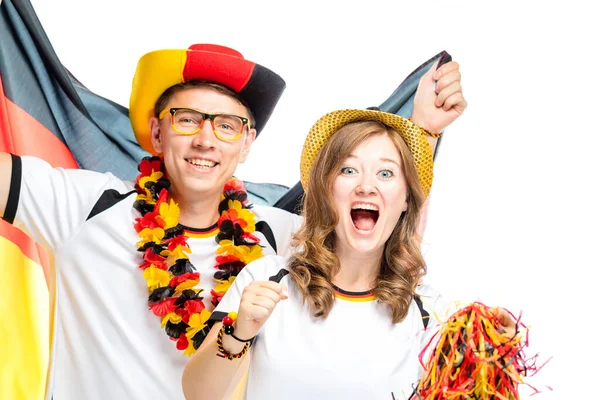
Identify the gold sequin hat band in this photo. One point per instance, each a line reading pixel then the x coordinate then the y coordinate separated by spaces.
pixel 413 136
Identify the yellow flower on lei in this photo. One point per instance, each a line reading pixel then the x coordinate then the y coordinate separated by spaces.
pixel 254 253
pixel 146 197
pixel 224 285
pixel 169 213
pixel 154 177
pixel 151 235
pixel 226 247
pixel 189 284
pixel 177 253
pixel 170 317
pixel 196 323
pixel 156 277
pixel 190 350
pixel 243 213
pixel 246 254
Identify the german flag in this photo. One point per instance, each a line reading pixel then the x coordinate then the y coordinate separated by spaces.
pixel 44 112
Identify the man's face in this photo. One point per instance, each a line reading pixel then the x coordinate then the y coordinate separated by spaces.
pixel 200 164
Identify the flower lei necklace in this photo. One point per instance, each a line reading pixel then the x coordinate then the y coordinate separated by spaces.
pixel 171 277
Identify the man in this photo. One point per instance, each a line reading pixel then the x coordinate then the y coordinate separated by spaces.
pixel 139 264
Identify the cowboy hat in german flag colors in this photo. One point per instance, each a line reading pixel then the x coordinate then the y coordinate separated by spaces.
pixel 158 70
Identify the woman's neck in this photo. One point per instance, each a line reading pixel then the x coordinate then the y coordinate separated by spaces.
pixel 358 271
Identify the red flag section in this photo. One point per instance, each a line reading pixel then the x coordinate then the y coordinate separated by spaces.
pixel 16 126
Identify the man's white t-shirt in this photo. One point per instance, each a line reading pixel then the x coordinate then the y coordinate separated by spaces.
pixel 108 344
pixel 355 353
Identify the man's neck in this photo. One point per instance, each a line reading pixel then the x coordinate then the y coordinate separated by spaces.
pixel 198 211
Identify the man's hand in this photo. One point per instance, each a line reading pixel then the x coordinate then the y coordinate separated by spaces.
pixel 439 100
pixel 258 302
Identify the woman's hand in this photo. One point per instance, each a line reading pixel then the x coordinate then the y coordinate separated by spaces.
pixel 258 302
pixel 508 323
pixel 439 100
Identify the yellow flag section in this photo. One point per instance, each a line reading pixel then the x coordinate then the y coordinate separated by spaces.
pixel 25 314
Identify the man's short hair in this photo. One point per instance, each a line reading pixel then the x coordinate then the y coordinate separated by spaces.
pixel 162 101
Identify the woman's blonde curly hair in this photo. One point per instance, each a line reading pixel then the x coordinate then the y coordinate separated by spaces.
pixel 314 264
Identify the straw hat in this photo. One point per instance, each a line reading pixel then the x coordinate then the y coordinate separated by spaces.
pixel 413 136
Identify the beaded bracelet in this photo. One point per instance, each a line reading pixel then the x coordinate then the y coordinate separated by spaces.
pixel 224 353
pixel 228 330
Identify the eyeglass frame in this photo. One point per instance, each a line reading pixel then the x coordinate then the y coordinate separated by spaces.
pixel 205 116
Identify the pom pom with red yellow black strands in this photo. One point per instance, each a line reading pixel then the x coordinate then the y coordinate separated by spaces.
pixel 475 358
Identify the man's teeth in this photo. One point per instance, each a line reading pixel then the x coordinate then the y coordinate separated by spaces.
pixel 201 163
pixel 370 207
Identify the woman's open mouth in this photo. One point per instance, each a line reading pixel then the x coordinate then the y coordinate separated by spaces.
pixel 364 216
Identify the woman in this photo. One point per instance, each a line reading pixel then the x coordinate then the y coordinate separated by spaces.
pixel 345 317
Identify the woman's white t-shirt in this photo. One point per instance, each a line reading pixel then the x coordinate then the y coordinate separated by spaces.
pixel 355 353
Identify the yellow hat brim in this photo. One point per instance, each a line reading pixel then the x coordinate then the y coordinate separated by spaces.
pixel 413 136
pixel 148 85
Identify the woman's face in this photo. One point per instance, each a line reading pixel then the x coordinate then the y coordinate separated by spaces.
pixel 369 194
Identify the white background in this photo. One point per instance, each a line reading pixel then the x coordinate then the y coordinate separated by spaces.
pixel 514 215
